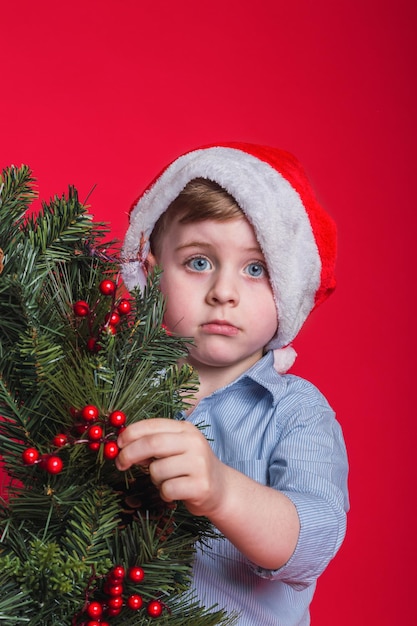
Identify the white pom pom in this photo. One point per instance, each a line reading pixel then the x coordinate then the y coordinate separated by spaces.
pixel 284 359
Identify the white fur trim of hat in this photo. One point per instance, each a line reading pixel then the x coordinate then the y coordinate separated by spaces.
pixel 296 235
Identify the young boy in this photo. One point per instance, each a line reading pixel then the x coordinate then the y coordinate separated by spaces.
pixel 247 253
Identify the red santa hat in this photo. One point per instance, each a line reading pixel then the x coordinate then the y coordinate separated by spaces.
pixel 296 235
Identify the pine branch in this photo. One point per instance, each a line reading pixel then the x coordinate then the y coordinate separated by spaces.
pixel 66 526
pixel 58 228
pixel 90 524
pixel 16 195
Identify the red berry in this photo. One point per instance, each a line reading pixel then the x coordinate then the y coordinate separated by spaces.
pixel 95 609
pixel 53 464
pixel 112 318
pixel 94 622
pixel 30 456
pixel 154 608
pixel 93 345
pixel 94 445
pixel 116 602
pixel 107 287
pixel 60 440
pixel 113 612
pixel 114 590
pixel 42 461
pixel 136 574
pixel 124 307
pixel 90 413
pixel 117 419
pixel 80 429
pixel 110 329
pixel 81 308
pixel 134 602
pixel 95 432
pixel 111 450
pixel 117 573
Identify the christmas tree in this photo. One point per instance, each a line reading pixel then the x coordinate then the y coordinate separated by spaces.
pixel 82 544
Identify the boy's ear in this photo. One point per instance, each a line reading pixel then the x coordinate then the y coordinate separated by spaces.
pixel 150 263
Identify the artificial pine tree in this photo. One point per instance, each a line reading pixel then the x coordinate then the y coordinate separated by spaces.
pixel 82 544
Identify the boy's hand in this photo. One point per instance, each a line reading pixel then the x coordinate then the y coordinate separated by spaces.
pixel 183 467
pixel 181 463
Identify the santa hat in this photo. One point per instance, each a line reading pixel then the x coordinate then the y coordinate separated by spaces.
pixel 297 237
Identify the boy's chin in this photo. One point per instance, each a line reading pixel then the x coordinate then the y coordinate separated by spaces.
pixel 219 359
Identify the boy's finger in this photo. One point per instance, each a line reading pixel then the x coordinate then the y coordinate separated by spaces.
pixel 132 455
pixel 148 427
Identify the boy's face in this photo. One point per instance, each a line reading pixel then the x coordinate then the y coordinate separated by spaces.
pixel 218 292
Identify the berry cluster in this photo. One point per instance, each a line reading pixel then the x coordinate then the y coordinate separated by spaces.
pixel 114 599
pixel 118 309
pixel 49 462
pixel 91 429
pixel 98 430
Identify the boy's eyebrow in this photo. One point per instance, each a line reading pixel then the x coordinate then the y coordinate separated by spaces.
pixel 205 244
pixel 193 244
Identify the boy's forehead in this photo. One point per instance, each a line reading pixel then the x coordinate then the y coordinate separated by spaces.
pixel 209 231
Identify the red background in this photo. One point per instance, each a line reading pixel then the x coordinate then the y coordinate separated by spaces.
pixel 106 93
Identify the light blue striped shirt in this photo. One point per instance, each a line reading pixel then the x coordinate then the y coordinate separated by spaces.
pixel 280 431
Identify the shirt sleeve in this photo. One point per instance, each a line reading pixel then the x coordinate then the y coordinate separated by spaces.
pixel 309 465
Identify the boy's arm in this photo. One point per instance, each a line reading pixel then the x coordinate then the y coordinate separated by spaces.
pixel 183 467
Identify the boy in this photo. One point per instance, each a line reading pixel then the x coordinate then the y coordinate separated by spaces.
pixel 247 253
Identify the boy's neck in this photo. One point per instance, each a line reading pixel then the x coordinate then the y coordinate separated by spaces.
pixel 213 378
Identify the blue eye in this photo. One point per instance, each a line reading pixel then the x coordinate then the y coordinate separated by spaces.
pixel 256 270
pixel 199 264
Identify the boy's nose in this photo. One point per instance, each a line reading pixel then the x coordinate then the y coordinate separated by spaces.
pixel 223 290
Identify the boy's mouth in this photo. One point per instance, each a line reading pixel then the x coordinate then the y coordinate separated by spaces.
pixel 220 327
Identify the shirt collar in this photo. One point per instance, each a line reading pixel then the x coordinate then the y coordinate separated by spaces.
pixel 264 374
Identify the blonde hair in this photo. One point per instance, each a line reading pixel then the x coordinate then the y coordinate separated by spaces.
pixel 201 199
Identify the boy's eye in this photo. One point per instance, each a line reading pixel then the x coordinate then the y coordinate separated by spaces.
pixel 199 264
pixel 255 269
